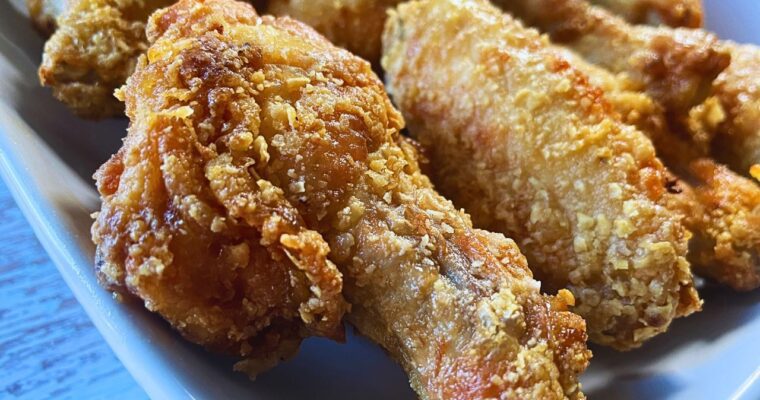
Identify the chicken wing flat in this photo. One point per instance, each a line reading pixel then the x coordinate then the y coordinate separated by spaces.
pixel 523 142
pixel 719 206
pixel 356 25
pixel 685 13
pixel 257 137
pixel 93 51
pixel 675 66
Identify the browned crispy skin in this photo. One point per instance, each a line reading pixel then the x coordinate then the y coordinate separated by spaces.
pixel 676 13
pixel 720 207
pixel 273 129
pixel 679 68
pixel 356 25
pixel 519 138
pixel 736 139
pixel 93 51
pixel 726 246
pixel 226 260
pixel 675 66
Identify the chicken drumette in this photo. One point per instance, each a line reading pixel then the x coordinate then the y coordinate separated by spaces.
pixel 520 138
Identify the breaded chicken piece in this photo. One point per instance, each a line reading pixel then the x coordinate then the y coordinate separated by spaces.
pixel 93 51
pixel 724 218
pixel 355 25
pixel 523 142
pixel 286 133
pixel 730 119
pixel 225 259
pixel 43 13
pixel 685 13
pixel 719 207
pixel 736 138
pixel 675 66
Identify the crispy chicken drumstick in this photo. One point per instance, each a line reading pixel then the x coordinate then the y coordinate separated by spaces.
pixel 253 144
pixel 238 273
pixel 521 140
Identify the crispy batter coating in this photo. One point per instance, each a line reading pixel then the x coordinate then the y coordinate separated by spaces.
pixel 685 13
pixel 93 51
pixel 736 139
pixel 675 66
pixel 218 253
pixel 355 25
pixel 521 140
pixel 726 246
pixel 719 206
pixel 283 132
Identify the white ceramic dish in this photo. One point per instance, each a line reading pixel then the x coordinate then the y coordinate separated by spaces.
pixel 47 157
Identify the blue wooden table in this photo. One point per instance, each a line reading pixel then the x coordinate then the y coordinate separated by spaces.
pixel 48 346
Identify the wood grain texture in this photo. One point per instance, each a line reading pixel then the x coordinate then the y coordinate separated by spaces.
pixel 48 346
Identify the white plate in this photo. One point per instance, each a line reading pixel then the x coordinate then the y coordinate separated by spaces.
pixel 47 157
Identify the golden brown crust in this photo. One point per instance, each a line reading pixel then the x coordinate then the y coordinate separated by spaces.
pixel 676 13
pixel 355 25
pixel 223 257
pixel 718 205
pixel 675 66
pixel 720 208
pixel 519 138
pixel 736 140
pixel 277 124
pixel 93 51
pixel 728 249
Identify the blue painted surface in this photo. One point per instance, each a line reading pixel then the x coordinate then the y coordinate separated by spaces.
pixel 48 346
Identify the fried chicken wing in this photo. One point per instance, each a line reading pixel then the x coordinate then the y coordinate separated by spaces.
pixel 729 120
pixel 736 138
pixel 225 259
pixel 356 25
pixel 93 51
pixel 719 207
pixel 520 139
pixel 685 13
pixel 724 217
pixel 675 66
pixel 256 136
